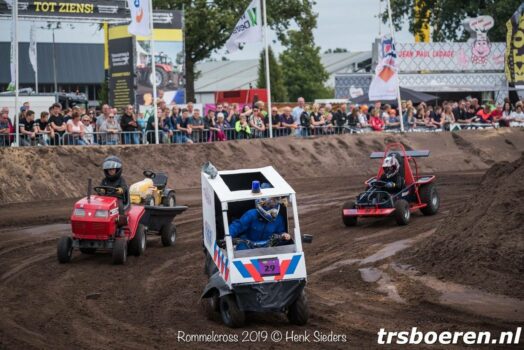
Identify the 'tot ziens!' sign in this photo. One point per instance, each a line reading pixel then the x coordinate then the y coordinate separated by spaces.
pixel 102 9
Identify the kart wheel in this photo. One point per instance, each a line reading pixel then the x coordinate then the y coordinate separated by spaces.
pixel 210 306
pixel 402 213
pixel 429 195
pixel 170 200
pixel 88 251
pixel 298 312
pixel 349 220
pixel 150 200
pixel 137 246
pixel 232 316
pixel 64 251
pixel 120 251
pixel 168 235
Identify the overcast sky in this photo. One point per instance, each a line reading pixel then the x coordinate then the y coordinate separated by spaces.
pixel 350 24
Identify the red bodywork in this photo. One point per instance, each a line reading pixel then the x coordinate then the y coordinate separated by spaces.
pixel 412 180
pixel 90 227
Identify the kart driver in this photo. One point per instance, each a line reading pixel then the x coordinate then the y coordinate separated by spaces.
pixel 392 176
pixel 260 224
pixel 113 178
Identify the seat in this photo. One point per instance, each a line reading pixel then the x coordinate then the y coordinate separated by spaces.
pixel 160 181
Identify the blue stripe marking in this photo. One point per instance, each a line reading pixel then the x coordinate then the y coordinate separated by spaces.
pixel 242 269
pixel 293 265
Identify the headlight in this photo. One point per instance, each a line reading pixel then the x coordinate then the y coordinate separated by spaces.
pixel 101 214
pixel 79 212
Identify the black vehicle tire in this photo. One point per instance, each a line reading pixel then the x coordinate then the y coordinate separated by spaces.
pixel 298 312
pixel 211 306
pixel 88 251
pixel 120 251
pixel 137 246
pixel 429 195
pixel 349 220
pixel 64 250
pixel 232 316
pixel 160 83
pixel 149 200
pixel 170 200
pixel 168 235
pixel 402 213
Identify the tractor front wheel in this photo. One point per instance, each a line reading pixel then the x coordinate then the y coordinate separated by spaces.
pixel 149 200
pixel 64 251
pixel 120 251
pixel 170 200
pixel 137 246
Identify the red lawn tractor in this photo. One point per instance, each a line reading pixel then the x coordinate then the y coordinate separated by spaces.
pixel 417 191
pixel 97 225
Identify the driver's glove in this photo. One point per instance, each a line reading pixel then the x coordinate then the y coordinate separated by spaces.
pixel 390 185
pixel 120 190
pixel 102 191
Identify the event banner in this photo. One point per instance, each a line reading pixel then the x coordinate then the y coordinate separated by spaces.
pixel 169 63
pixel 385 83
pixel 121 69
pixel 514 66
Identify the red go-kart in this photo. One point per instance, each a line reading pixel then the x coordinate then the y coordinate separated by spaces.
pixel 97 225
pixel 417 191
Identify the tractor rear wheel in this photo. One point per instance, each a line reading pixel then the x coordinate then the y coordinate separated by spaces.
pixel 349 220
pixel 137 246
pixel 120 251
pixel 149 200
pixel 298 312
pixel 170 200
pixel 429 196
pixel 402 213
pixel 64 251
pixel 231 314
pixel 168 235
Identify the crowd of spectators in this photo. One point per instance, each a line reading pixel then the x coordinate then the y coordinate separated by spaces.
pixel 108 126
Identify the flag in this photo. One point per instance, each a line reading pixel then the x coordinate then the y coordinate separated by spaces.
pixel 140 17
pixel 248 28
pixel 384 85
pixel 32 48
pixel 514 56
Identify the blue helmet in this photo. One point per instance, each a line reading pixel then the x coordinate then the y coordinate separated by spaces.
pixel 268 208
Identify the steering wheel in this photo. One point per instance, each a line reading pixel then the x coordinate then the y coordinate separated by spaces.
pixel 378 183
pixel 149 174
pixel 105 190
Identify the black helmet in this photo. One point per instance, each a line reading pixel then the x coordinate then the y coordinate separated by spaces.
pixel 112 162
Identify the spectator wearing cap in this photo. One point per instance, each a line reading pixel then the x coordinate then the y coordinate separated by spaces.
pixel 5 128
pixel 184 127
pixel 111 128
pixel 392 121
pixel 288 121
pixel 27 129
pixel 57 122
pixel 256 123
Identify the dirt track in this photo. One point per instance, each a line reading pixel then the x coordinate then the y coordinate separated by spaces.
pixel 356 286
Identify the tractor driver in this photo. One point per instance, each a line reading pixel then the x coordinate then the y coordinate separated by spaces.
pixel 113 178
pixel 260 224
pixel 392 175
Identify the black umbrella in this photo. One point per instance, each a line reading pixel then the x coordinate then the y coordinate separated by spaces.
pixel 405 94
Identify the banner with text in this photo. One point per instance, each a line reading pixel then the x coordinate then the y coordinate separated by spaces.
pixel 121 68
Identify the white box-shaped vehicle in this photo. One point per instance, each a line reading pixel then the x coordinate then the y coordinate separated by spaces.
pixel 260 279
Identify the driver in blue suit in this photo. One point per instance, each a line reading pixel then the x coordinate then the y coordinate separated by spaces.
pixel 260 224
